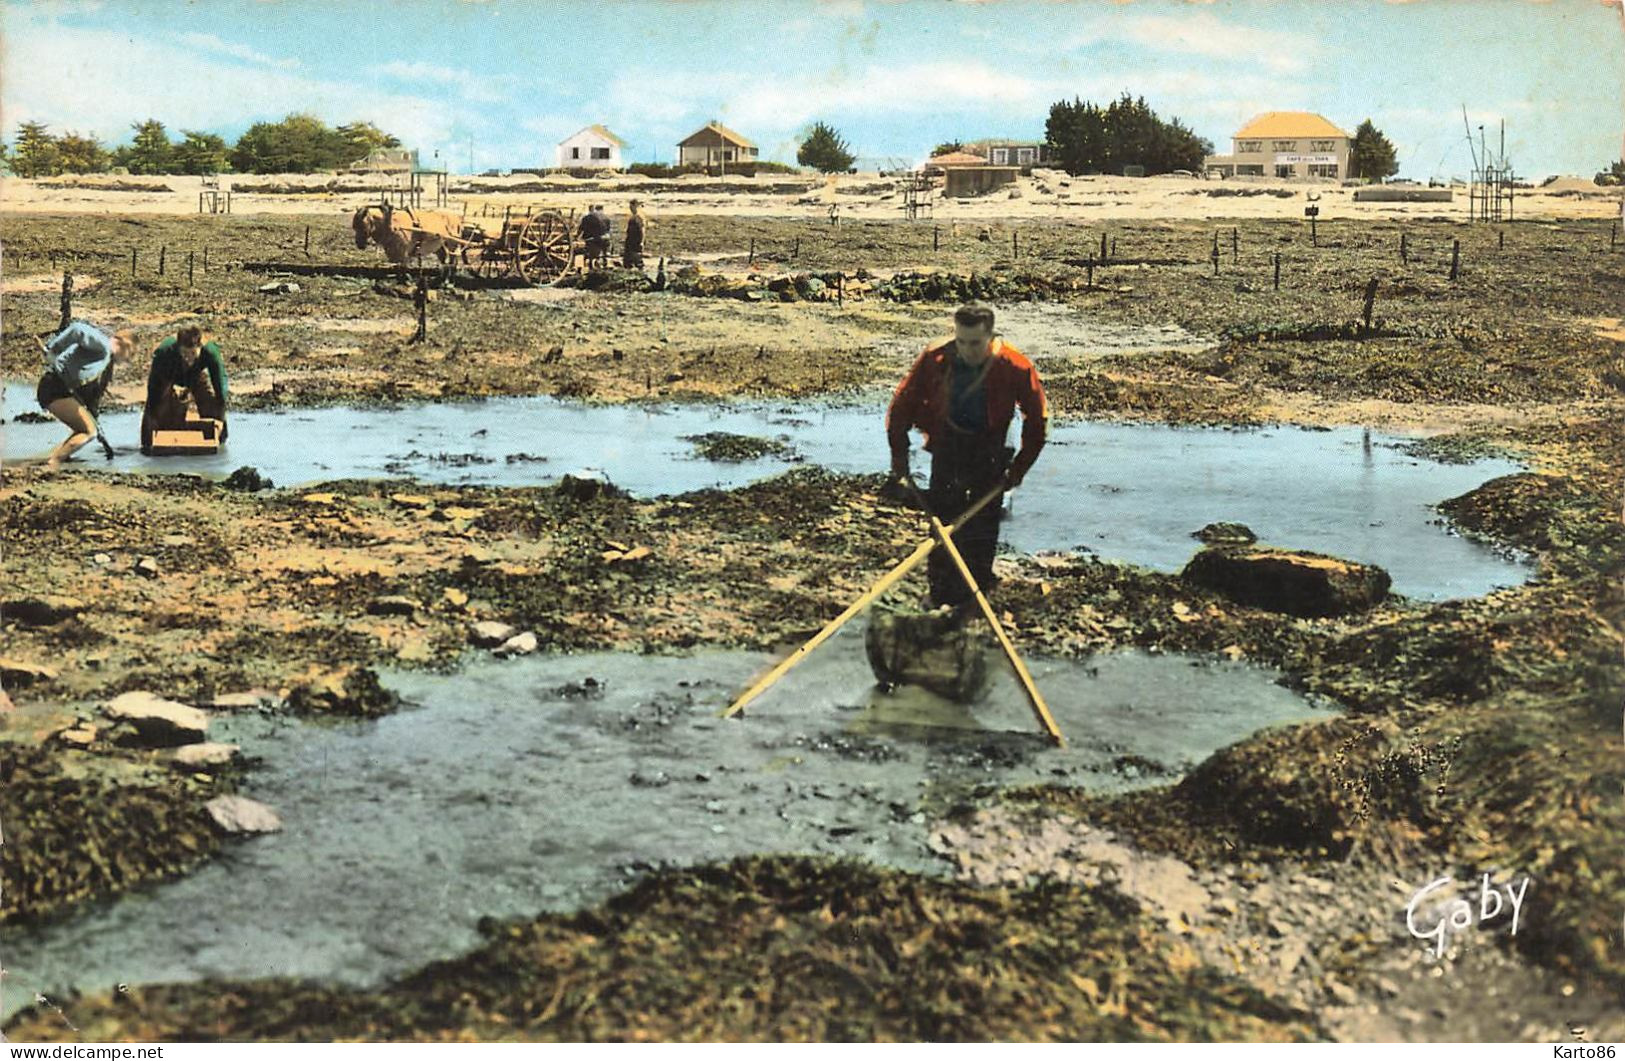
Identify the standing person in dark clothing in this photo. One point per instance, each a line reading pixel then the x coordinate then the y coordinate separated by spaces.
pixel 594 229
pixel 962 394
pixel 632 250
pixel 187 370
pixel 79 364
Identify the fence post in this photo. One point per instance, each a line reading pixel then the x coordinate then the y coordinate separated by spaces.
pixel 1277 270
pixel 189 268
pixel 1370 299
pixel 1455 259
pixel 163 252
pixel 132 263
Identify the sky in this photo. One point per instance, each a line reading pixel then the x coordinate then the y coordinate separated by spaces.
pixel 495 84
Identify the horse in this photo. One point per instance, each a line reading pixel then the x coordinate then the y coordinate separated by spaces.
pixel 405 233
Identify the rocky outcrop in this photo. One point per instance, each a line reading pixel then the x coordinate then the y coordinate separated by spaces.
pixel 1287 580
pixel 156 722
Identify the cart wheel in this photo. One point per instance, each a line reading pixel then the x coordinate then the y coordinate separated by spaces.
pixel 544 248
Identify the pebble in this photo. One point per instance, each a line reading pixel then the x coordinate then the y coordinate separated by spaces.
pixel 518 645
pixel 239 814
pixel 147 567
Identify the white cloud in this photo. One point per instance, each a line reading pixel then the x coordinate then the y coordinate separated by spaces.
pixel 68 88
pixel 479 88
pixel 210 43
pixel 1206 34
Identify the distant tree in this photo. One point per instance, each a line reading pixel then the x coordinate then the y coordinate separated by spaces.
pixel 825 151
pixel 948 148
pixel 5 157
pixel 1371 155
pixel 360 138
pixel 82 154
pixel 200 153
pixel 149 150
pixel 302 143
pixel 1091 139
pixel 1614 174
pixel 35 153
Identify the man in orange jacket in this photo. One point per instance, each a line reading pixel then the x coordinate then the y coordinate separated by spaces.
pixel 962 394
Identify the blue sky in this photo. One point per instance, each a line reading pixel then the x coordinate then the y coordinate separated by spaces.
pixel 506 79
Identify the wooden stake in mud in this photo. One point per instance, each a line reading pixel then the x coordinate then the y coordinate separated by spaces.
pixel 1613 235
pixel 797 252
pixel 1103 246
pixel 307 241
pixel 1455 259
pixel 1215 254
pixel 163 252
pixel 1235 245
pixel 1370 299
pixel 132 263
pixel 1501 242
pixel 840 289
pixel 751 260
pixel 886 582
pixel 420 299
pixel 205 258
pixel 936 236
pixel 1034 698
pixel 1404 249
pixel 189 255
pixel 1114 247
pixel 1277 270
pixel 1091 270
pixel 67 301
pixel 1015 246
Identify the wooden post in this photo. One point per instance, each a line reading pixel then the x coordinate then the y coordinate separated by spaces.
pixel 1314 236
pixel 797 252
pixel 1455 259
pixel 936 236
pixel 1091 270
pixel 67 301
pixel 205 257
pixel 420 299
pixel 189 268
pixel 1103 246
pixel 752 259
pixel 1613 234
pixel 840 289
pixel 1215 254
pixel 1370 299
pixel 1404 249
pixel 200 202
pixel 1501 243
pixel 163 252
pixel 1015 247
pixel 1235 245
pixel 1277 270
pixel 132 263
pixel 307 241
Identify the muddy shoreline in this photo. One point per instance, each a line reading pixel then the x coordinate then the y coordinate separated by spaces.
pixel 1479 733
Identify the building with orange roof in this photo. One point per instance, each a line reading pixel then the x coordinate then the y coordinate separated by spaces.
pixel 713 145
pixel 1285 144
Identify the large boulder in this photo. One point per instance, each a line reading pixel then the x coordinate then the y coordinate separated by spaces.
pixel 158 723
pixel 934 651
pixel 1287 580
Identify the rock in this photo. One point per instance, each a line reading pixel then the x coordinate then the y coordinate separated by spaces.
pixel 930 650
pixel 239 814
pixel 147 567
pixel 247 701
pixel 1226 534
pixel 1341 993
pixel 1285 580
pixel 156 721
pixel 280 287
pixel 489 633
pixel 349 690
pixel 17 673
pixel 656 779
pixel 247 479
pixel 40 611
pixel 412 500
pixel 392 606
pixel 518 645
pixel 102 559
pixel 80 736
pixel 202 756
pixel 454 596
pixel 578 488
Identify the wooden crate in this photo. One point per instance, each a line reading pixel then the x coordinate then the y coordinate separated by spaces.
pixel 198 437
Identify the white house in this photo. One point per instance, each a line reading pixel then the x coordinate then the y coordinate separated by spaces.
pixel 592 148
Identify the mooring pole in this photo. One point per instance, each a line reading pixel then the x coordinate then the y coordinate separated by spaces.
pixel 163 252
pixel 67 300
pixel 1235 245
pixel 307 241
pixel 1455 259
pixel 132 263
pixel 1103 246
pixel 1277 270
pixel 1501 242
pixel 936 236
pixel 189 268
pixel 1015 247
pixel 1370 300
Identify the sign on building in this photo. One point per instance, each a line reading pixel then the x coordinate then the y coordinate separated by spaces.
pixel 1306 160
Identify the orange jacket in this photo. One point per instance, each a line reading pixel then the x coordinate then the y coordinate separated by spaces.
pixel 922 401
